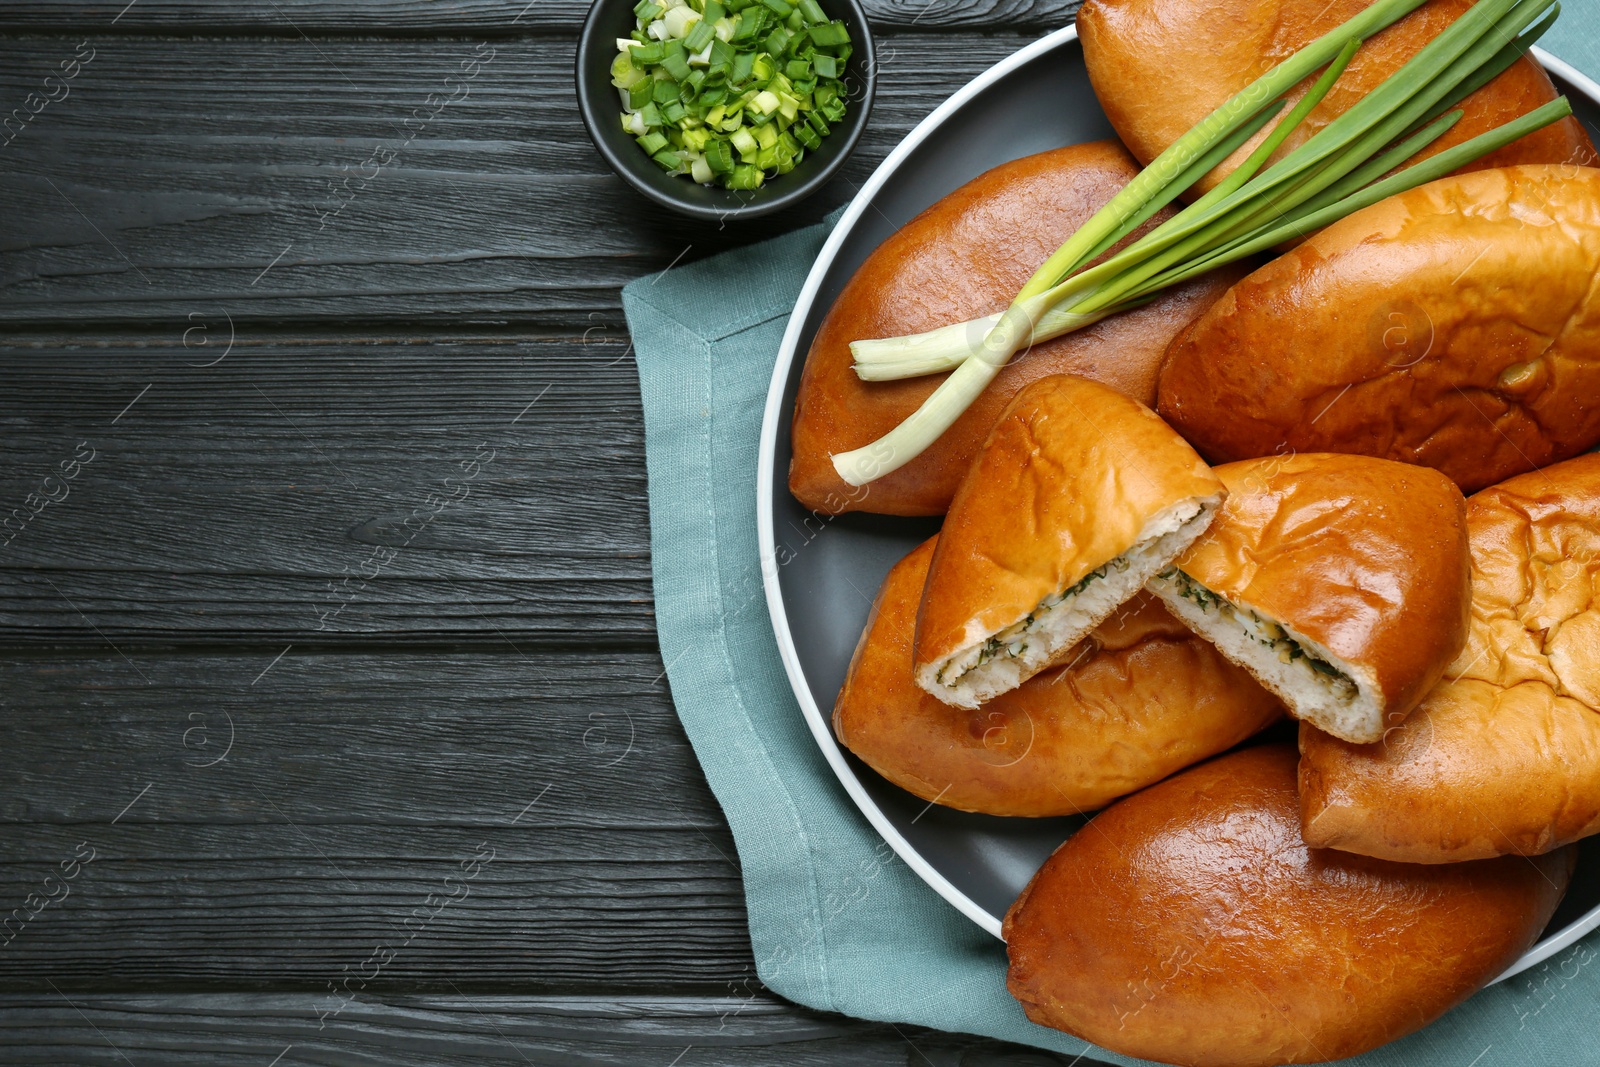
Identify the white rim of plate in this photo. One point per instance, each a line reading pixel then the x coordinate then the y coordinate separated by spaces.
pixel 766 537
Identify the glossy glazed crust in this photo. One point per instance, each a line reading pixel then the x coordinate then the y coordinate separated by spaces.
pixel 1364 556
pixel 1142 697
pixel 1189 924
pixel 1160 66
pixel 964 257
pixel 1067 480
pixel 1456 326
pixel 1504 756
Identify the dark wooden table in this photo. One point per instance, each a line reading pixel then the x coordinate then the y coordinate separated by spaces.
pixel 334 729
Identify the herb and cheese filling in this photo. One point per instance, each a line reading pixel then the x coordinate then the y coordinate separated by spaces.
pixel 1013 640
pixel 1009 657
pixel 1309 678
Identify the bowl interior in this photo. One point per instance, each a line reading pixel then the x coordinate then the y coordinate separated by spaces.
pixel 602 109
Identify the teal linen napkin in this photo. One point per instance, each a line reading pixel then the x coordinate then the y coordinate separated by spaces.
pixel 837 921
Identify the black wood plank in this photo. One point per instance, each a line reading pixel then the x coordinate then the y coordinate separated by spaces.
pixel 740 1029
pixel 497 17
pixel 505 821
pixel 559 909
pixel 184 186
pixel 343 833
pixel 276 180
pixel 485 489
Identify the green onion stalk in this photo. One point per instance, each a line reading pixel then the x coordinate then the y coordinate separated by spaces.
pixel 1335 172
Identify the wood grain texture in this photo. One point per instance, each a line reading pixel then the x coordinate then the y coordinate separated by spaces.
pixel 482 488
pixel 263 823
pixel 742 1030
pixel 289 655
pixel 228 829
pixel 277 181
pixel 499 17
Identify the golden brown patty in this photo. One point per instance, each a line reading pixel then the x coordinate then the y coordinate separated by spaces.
pixel 966 257
pixel 1504 755
pixel 1160 66
pixel 1189 924
pixel 1141 698
pixel 1456 326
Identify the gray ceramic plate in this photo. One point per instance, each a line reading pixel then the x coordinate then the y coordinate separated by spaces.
pixel 1038 99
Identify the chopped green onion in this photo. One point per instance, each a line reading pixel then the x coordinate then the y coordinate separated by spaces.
pixel 745 143
pixel 624 73
pixel 719 156
pixel 745 177
pixel 830 34
pixel 675 64
pixel 731 92
pixel 699 36
pixel 751 24
pixel 677 19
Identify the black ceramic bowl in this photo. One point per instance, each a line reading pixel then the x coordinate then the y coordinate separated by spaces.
pixel 601 108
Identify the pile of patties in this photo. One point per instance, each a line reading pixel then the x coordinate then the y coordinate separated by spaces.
pixel 1242 501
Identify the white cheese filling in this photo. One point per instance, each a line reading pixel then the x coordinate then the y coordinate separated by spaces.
pixel 1010 657
pixel 1315 684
